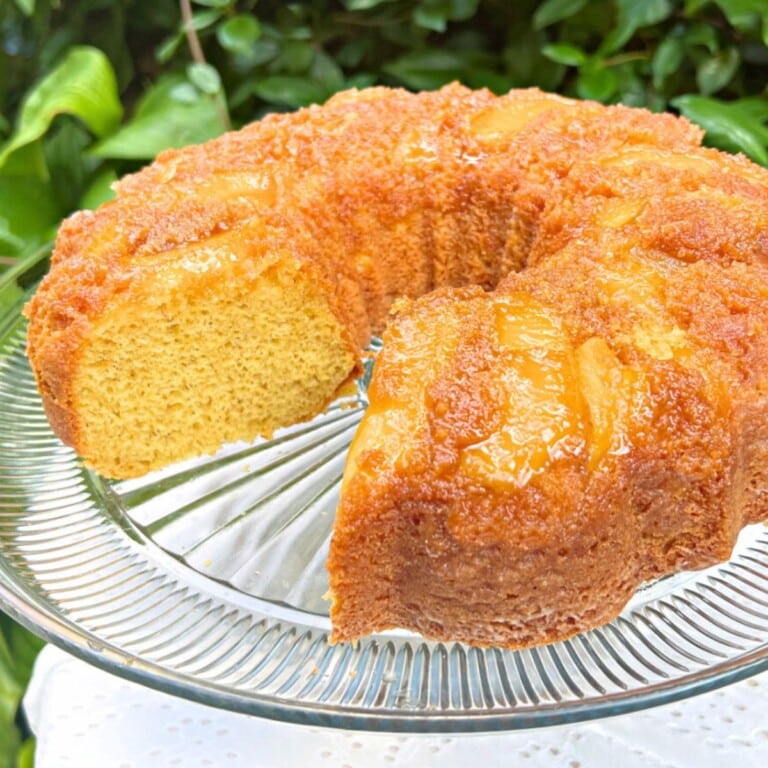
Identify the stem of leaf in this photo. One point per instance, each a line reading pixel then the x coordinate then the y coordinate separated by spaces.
pixel 623 58
pixel 193 41
pixel 189 30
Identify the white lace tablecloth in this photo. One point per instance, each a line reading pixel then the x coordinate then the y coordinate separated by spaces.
pixel 85 718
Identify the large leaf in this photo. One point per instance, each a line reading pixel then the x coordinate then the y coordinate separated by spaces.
pixel 29 208
pixel 83 84
pixel 728 125
pixel 757 108
pixel 163 120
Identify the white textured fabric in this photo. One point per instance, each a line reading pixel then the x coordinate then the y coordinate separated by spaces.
pixel 86 718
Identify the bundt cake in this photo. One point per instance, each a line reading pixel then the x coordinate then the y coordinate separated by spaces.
pixel 571 393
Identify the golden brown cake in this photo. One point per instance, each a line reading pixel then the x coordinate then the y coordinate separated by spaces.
pixel 530 455
pixel 229 287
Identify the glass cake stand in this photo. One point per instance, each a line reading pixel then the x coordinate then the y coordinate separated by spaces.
pixel 207 580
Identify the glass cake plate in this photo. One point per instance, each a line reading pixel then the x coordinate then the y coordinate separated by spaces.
pixel 207 580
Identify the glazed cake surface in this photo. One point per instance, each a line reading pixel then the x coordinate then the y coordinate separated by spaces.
pixel 571 396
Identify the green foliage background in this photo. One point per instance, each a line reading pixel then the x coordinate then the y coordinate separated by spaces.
pixel 93 89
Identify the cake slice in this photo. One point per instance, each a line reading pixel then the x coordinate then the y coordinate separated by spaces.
pixel 530 458
pixel 480 502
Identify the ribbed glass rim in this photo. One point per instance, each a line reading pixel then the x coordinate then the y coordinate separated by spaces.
pixel 74 640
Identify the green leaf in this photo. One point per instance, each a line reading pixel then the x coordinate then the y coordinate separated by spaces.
pixel 327 72
pixel 214 3
pixel 29 208
pixel 729 126
pixel 667 59
pixel 66 161
pixel 599 84
pixel 427 69
pixel 204 76
pixel 296 56
pixel 352 52
pixel 552 11
pixel 526 64
pixel 27 7
pixel 168 47
pixel 29 266
pixel 434 18
pixel 692 7
pixel 302 32
pixel 165 51
pixel 743 14
pixel 290 91
pixel 9 744
pixel 10 686
pixel 633 15
pixel 756 107
pixel 160 122
pixel 565 53
pixel 702 34
pixel 28 160
pixel 83 84
pixel 632 89
pixel 363 5
pixel 238 34
pixel 24 647
pixel 461 10
pixel 204 19
pixel 99 190
pixel 26 755
pixel 361 80
pixel 715 72
pixel 435 14
pixel 185 93
pixel 10 296
pixel 18 647
pixel 262 51
pixel 10 244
